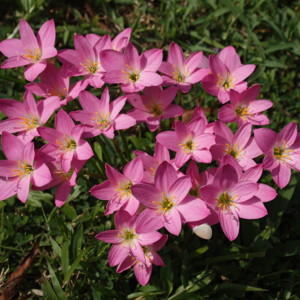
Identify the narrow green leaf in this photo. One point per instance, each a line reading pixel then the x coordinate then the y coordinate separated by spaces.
pixel 56 285
pixel 48 290
pixel 65 257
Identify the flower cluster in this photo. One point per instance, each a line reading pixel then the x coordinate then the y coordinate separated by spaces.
pixel 152 192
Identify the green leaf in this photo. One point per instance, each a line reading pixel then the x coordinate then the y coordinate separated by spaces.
pixel 65 257
pixel 56 285
pixel 48 290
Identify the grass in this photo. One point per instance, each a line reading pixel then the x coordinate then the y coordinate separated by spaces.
pixel 263 263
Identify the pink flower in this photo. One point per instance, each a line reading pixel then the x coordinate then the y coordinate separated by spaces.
pixel 85 59
pixel 180 71
pixel 168 201
pixel 20 169
pixel 131 234
pixel 30 50
pixel 117 189
pixel 243 108
pixel 151 163
pixel 231 199
pixel 64 181
pixel 189 141
pixel 134 72
pixel 100 116
pixel 154 106
pixel 227 73
pixel 28 116
pixel 142 271
pixel 65 142
pixel 56 82
pixel 240 145
pixel 282 152
pixel 120 41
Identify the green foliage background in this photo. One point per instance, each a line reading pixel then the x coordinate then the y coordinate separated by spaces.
pixel 263 262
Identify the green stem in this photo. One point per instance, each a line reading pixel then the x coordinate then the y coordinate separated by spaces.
pixel 125 144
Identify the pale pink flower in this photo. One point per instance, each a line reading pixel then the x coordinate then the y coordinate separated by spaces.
pixel 100 116
pixel 154 105
pixel 244 108
pixel 20 169
pixel 65 142
pixel 26 117
pixel 180 71
pixel 282 152
pixel 85 59
pixel 168 201
pixel 30 50
pixel 227 73
pixel 130 235
pixel 117 189
pixel 231 199
pixel 134 72
pixel 56 82
pixel 240 145
pixel 188 141
pixel 142 271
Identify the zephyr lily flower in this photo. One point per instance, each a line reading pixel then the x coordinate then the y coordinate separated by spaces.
pixel 244 108
pixel 65 142
pixel 227 73
pixel 130 235
pixel 28 116
pixel 64 181
pixel 240 145
pixel 232 199
pixel 180 71
pixel 134 72
pixel 154 105
pixel 100 116
pixel 151 163
pixel 56 82
pixel 117 189
pixel 189 141
pixel 168 201
pixel 282 152
pixel 30 50
pixel 142 271
pixel 20 169
pixel 85 59
pixel 118 43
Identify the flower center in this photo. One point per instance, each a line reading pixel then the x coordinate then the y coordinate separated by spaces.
pixel 166 204
pixel 224 201
pixel 125 189
pixel 128 235
pixel 63 175
pixel 178 76
pixel 91 67
pixel 234 150
pixel 194 192
pixel 134 77
pixel 242 111
pixel 24 169
pixel 30 123
pixel 155 109
pixel 102 120
pixel 226 82
pixel 188 146
pixel 33 56
pixel 282 153
pixel 67 144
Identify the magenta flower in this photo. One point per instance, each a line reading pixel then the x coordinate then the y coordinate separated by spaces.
pixel 282 152
pixel 244 108
pixel 20 169
pixel 154 105
pixel 240 145
pixel 56 82
pixel 151 163
pixel 142 271
pixel 26 117
pixel 30 50
pixel 117 189
pixel 189 141
pixel 64 181
pixel 65 142
pixel 231 199
pixel 100 116
pixel 168 201
pixel 130 235
pixel 134 72
pixel 227 73
pixel 180 71
pixel 85 59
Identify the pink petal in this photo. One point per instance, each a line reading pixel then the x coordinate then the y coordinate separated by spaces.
pixel 12 147
pixel 265 193
pixel 6 168
pixel 172 221
pixel 34 70
pixel 151 60
pixel 109 236
pixel 180 188
pixel 41 175
pixel 46 34
pixel 251 209
pixel 197 76
pixel 83 150
pixel 116 106
pixel 169 140
pixel 62 193
pixel 281 175
pixel 244 190
pixel 123 122
pixel 112 60
pixel 8 187
pixel 27 36
pixel 230 58
pixel 227 114
pixel 23 188
pixel 230 224
pixel 149 238
pixel 114 176
pixel 149 79
pixel 84 48
pixel 63 122
pixel 147 194
pixel 165 176
pixel 12 47
pixel 134 170
pixel 142 273
pixel 117 254
pixel 242 136
pixel 175 56
pixel 115 76
pixel 14 61
pixel 242 72
pixel 288 134
pixel 265 138
pixel 217 66
pixel 131 57
pixel 137 251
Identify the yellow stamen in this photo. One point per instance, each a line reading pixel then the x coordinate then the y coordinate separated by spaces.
pixel 225 201
pixel 125 189
pixel 24 169
pixel 282 153
pixel 178 75
pixel 166 204
pixel 225 82
pixel 91 67
pixel 67 144
pixel 234 150
pixel 33 56
pixel 30 123
pixel 188 146
pixel 102 120
pixel 128 235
